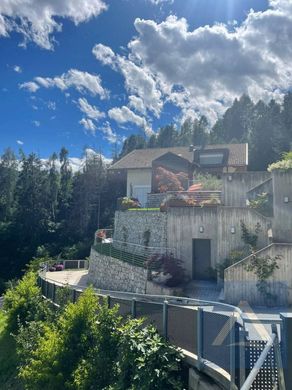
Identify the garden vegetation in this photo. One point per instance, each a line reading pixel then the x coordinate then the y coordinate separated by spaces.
pixel 83 345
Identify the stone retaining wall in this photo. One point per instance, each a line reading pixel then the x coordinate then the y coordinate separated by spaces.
pixel 137 227
pixel 108 273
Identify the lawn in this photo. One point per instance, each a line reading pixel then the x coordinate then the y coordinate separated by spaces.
pixel 8 359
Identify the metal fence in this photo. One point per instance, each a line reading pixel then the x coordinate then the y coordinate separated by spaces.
pixel 198 327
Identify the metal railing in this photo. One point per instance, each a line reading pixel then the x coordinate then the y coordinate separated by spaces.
pixel 215 333
pixel 134 254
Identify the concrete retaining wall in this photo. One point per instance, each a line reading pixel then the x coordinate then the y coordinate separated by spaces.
pixel 236 185
pixel 112 274
pixel 240 284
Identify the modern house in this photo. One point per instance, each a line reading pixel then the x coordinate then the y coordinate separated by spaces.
pixel 141 165
pixel 203 234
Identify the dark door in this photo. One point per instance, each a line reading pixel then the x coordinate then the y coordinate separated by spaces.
pixel 201 259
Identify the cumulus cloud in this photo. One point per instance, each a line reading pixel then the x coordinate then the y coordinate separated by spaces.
pixel 19 142
pixel 138 80
pixel 88 125
pixel 84 82
pixel 37 20
pixel 90 111
pixel 124 115
pixel 30 86
pixel 212 65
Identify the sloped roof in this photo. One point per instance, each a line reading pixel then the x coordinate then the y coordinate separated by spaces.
pixel 143 158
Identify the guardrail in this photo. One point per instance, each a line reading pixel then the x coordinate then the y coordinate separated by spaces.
pixel 191 329
pixel 212 335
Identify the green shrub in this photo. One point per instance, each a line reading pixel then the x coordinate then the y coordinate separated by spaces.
pixel 146 361
pixel 24 303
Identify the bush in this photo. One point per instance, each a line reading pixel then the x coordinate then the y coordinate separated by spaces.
pixel 282 165
pixel 146 361
pixel 167 264
pixel 24 303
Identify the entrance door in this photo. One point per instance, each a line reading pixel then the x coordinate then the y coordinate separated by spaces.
pixel 140 192
pixel 201 259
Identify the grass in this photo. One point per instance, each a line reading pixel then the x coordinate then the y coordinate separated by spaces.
pixel 8 358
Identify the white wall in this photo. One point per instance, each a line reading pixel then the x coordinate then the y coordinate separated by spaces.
pixel 138 177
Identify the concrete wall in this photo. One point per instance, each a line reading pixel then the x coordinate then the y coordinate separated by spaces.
pixel 183 225
pixel 282 224
pixel 138 177
pixel 111 274
pixel 130 226
pixel 240 284
pixel 234 190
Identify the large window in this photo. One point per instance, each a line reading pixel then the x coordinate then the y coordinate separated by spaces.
pixel 211 158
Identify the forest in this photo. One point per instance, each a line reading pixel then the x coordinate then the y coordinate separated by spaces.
pixel 47 210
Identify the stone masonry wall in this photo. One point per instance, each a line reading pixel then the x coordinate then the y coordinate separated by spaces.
pixel 134 227
pixel 112 274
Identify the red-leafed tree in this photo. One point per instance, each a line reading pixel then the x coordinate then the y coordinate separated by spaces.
pixel 166 180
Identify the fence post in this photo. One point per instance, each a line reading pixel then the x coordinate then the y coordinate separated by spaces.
pixel 242 372
pixel 286 340
pixel 278 357
pixel 108 301
pixel 54 293
pixel 165 319
pixel 232 348
pixel 74 295
pixel 134 308
pixel 47 289
pixel 200 343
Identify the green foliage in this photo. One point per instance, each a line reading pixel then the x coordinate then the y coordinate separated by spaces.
pixel 90 347
pixel 263 268
pixel 248 237
pixel 23 303
pixel 146 361
pixel 209 182
pixel 234 257
pixel 283 165
pixel 8 357
pixel 262 204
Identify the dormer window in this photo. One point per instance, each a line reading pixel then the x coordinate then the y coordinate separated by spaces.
pixel 211 158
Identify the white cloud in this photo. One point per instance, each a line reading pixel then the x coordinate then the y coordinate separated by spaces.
pixel 30 86
pixel 51 105
pixel 124 115
pixel 109 134
pixel 137 104
pixel 91 111
pixel 19 142
pixel 17 69
pixel 84 82
pixel 37 20
pixel 138 80
pixel 88 125
pixel 104 54
pixel 36 123
pixel 203 70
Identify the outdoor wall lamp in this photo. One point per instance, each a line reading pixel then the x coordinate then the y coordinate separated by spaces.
pixel 229 178
pixel 232 230
pixel 286 199
pixel 201 229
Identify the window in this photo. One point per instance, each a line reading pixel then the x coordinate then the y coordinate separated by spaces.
pixel 211 158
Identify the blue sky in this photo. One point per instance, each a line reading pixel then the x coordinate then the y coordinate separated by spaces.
pixel 155 62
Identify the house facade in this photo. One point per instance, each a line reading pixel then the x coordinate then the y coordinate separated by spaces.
pixel 141 165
